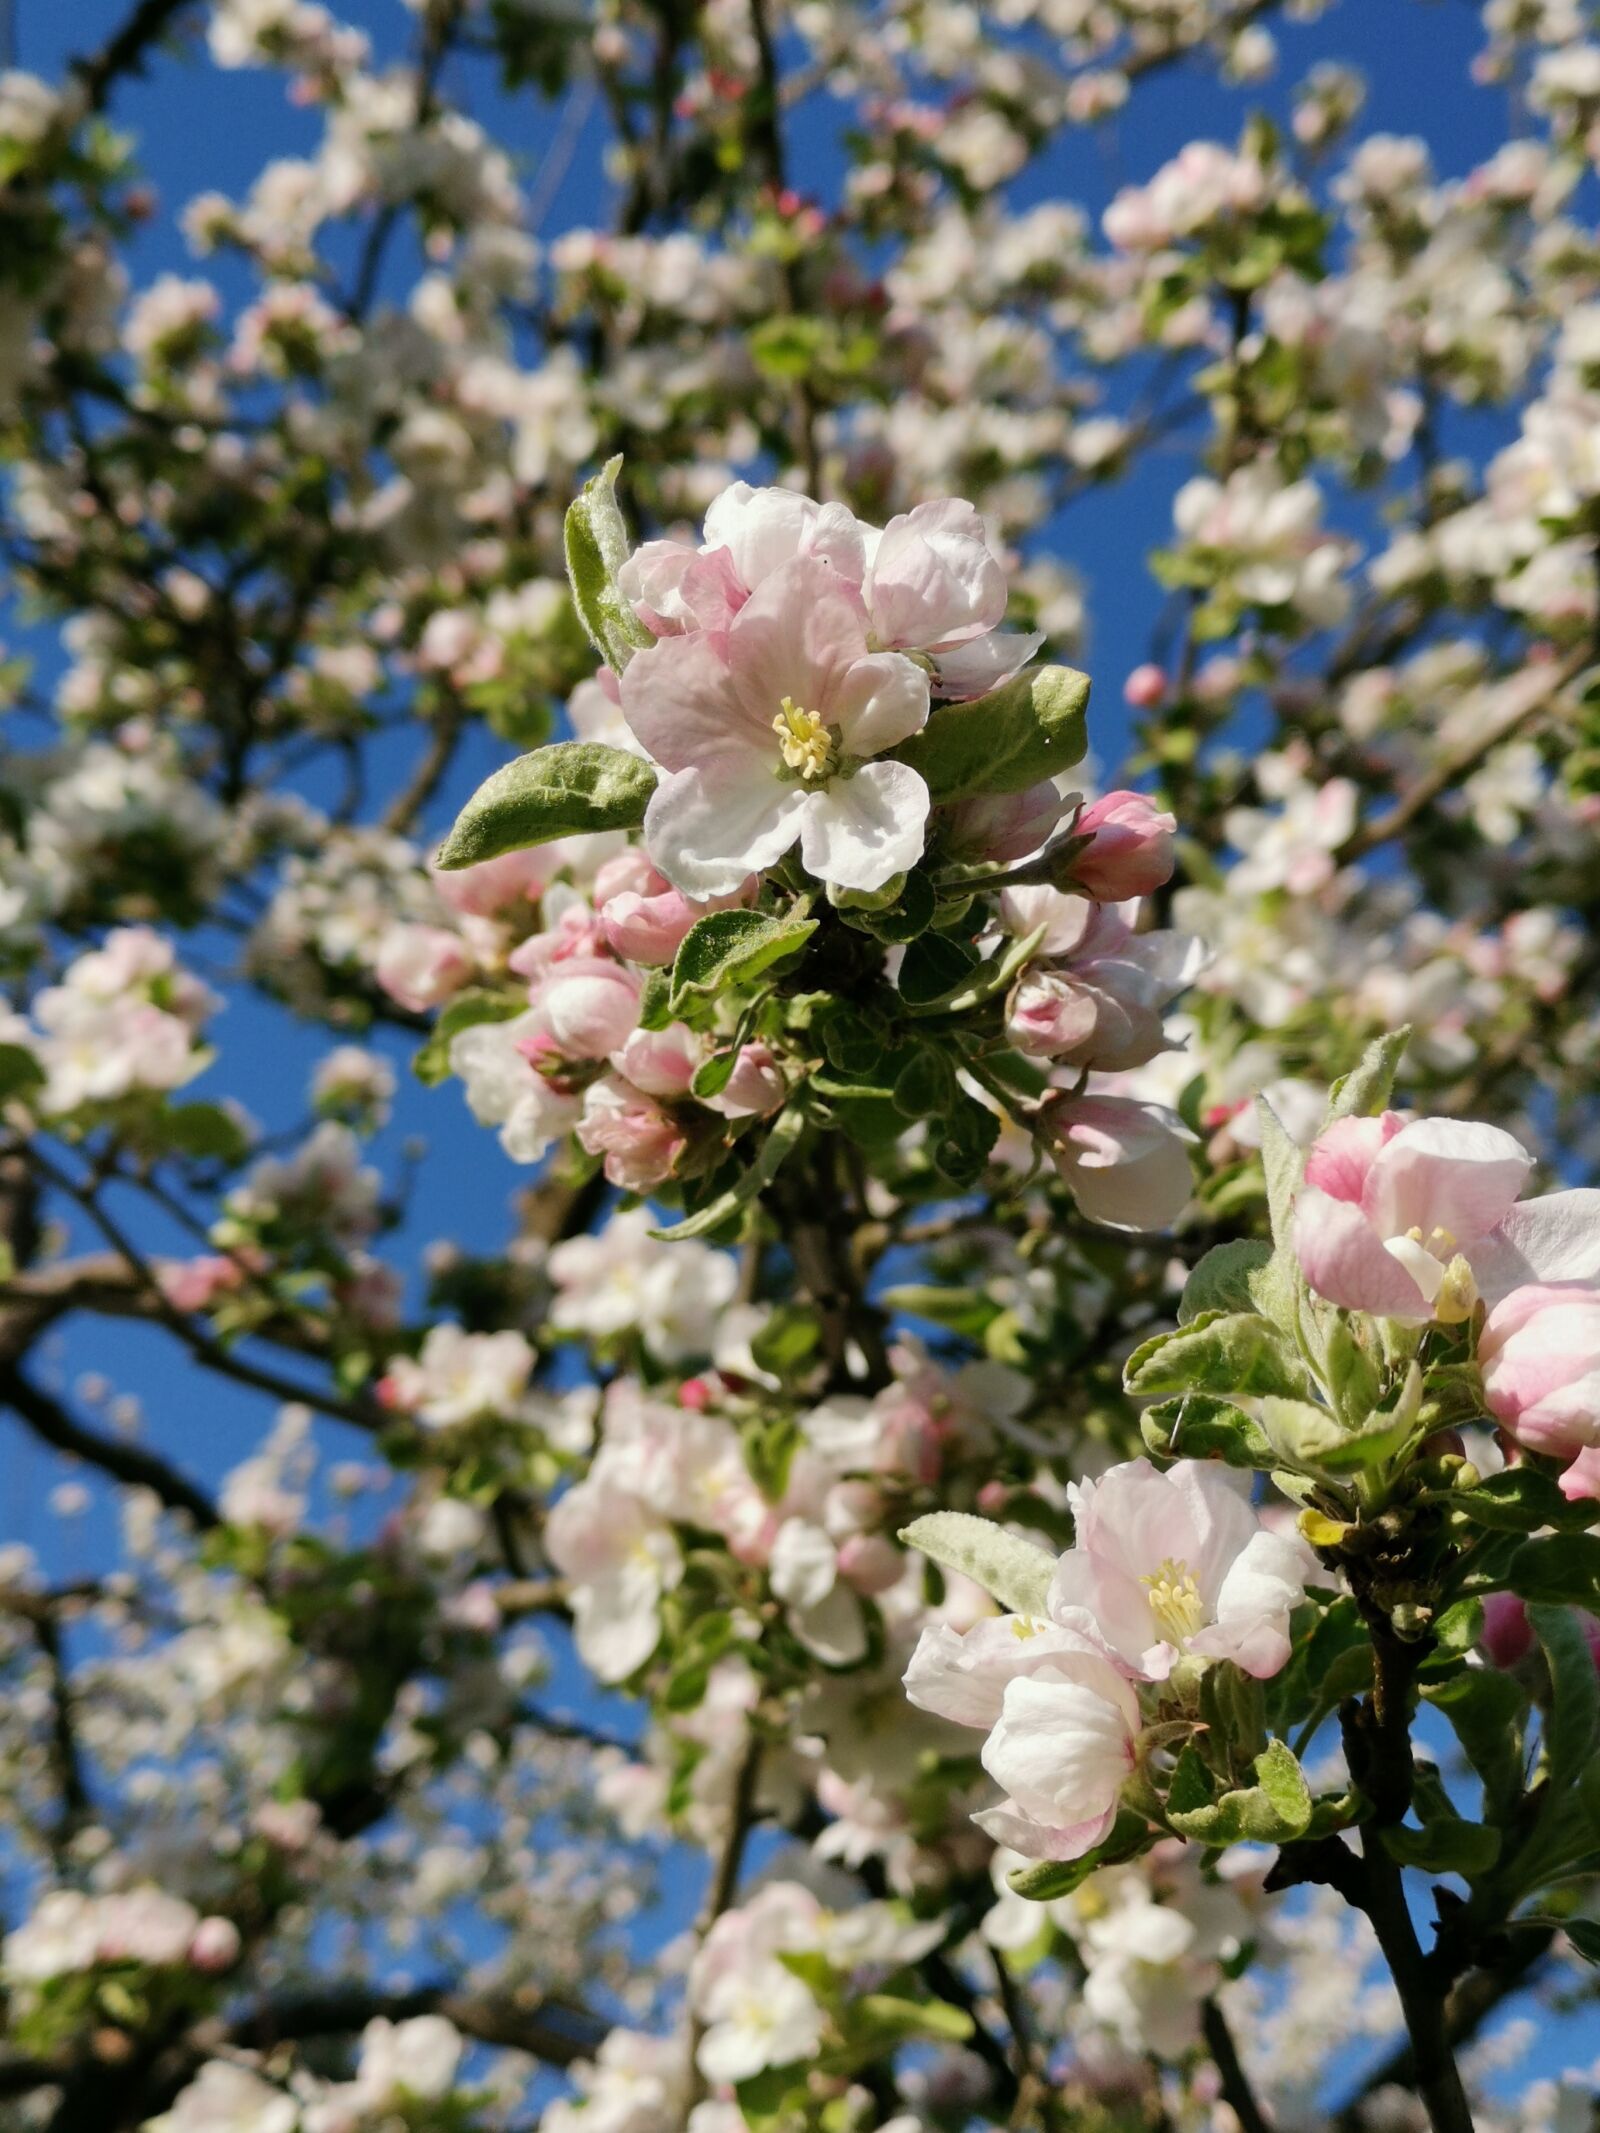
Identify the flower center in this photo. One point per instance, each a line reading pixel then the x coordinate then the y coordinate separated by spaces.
pixel 1438 1269
pixel 804 741
pixel 1175 1600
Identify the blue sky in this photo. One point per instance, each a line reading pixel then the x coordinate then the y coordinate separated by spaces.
pixel 199 129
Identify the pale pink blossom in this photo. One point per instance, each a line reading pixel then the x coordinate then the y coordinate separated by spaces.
pixel 420 966
pixel 1062 1721
pixel 638 1140
pixel 1391 1212
pixel 1172 1565
pixel 764 731
pixel 1126 1163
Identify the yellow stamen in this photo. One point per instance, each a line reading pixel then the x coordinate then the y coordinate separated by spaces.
pixel 1458 1294
pixel 803 740
pixel 1175 1600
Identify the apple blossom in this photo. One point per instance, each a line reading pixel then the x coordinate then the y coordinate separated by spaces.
pixel 1125 1162
pixel 765 731
pixel 1173 1565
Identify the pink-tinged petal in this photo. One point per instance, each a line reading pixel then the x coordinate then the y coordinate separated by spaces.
pixel 681 704
pixel 934 583
pixel 798 635
pixel 1343 1258
pixel 884 699
pixel 762 529
pixel 861 831
pixel 1553 1239
pixel 706 830
pixel 1118 1607
pixel 1445 1174
pixel 969 671
pixel 1341 1158
pixel 1007 1825
pixel 1582 1478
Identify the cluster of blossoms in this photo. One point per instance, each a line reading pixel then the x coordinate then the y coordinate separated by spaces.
pixel 995 1438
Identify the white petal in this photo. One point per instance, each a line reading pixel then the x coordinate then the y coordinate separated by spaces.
pixel 707 831
pixel 1553 1239
pixel 860 831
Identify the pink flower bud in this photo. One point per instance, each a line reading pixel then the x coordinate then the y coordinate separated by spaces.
pixel 661 1062
pixel 1507 1632
pixel 215 1946
pixel 1131 849
pixel 627 873
pixel 495 885
pixel 420 966
pixel 1003 826
pixel 755 1087
pixel 871 1563
pixel 1144 688
pixel 589 1005
pixel 649 927
pixel 1540 1356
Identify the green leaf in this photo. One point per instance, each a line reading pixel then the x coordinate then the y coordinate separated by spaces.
pixel 1572 1723
pixel 1196 1426
pixel 883 2020
pixel 934 966
pixel 1284 1165
pixel 19 1071
pixel 780 1143
pixel 1584 1934
pixel 1444 1847
pixel 1521 1499
pixel 1365 1091
pixel 727 948
pixel 1561 1569
pixel 1486 1711
pixel 1014 1571
pixel 1029 729
pixel 566 790
pixel 1050 1878
pixel 1274 1810
pixel 431 1063
pixel 983 980
pixel 208 1132
pixel 597 548
pixel 1233 1352
pixel 787 1341
pixel 1220 1281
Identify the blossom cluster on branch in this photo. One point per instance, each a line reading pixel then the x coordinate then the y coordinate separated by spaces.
pixel 988 1509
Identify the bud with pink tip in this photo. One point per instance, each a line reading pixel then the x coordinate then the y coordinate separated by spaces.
pixel 1130 848
pixel 1540 1357
pixel 1145 687
pixel 215 1946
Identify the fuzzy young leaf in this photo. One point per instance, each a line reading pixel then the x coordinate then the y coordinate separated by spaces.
pixel 1274 1810
pixel 1572 1725
pixel 1013 1571
pixel 727 948
pixel 1521 1499
pixel 569 789
pixel 1486 1711
pixel 597 548
pixel 1220 1281
pixel 1198 1426
pixel 983 981
pixel 1221 1352
pixel 1028 730
pixel 1367 1088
